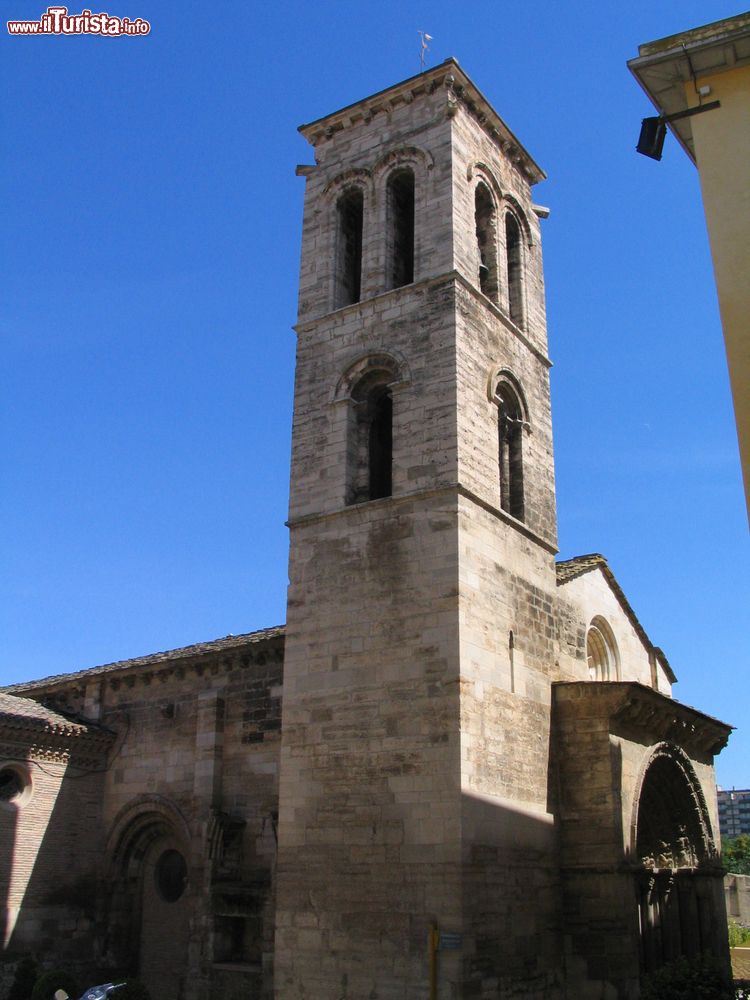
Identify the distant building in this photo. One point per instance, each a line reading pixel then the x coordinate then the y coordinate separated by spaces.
pixel 712 63
pixel 734 811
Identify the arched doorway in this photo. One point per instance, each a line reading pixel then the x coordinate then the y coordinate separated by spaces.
pixel 678 870
pixel 151 901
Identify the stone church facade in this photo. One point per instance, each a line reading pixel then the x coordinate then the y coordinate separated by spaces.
pixel 457 770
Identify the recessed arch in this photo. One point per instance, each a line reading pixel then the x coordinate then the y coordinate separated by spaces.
pixel 602 653
pixel 391 364
pixel 144 813
pixel 511 427
pixel 359 177
pixel 401 156
pixel 148 899
pixel 512 204
pixel 668 796
pixel 514 267
pixel 400 217
pixel 367 388
pixel 678 887
pixel 485 227
pixel 480 173
pixel 350 221
pixel 499 374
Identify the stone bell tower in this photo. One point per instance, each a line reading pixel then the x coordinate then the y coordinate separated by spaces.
pixel 416 853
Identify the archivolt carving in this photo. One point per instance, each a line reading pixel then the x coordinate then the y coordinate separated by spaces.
pixel 391 362
pixel 513 204
pixel 356 177
pixel 499 373
pixel 481 172
pixel 139 822
pixel 670 827
pixel 406 155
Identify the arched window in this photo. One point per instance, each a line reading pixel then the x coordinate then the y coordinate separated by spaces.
pixel 349 219
pixel 514 265
pixel 485 220
pixel 400 228
pixel 370 445
pixel 510 428
pixel 601 652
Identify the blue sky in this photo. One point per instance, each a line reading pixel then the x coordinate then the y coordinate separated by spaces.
pixel 151 225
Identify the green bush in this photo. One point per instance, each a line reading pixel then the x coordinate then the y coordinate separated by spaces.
pixel 49 982
pixel 24 980
pixel 738 935
pixel 700 978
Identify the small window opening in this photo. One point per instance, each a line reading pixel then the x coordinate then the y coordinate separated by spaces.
pixel 237 938
pixel 370 451
pixel 400 209
pixel 11 785
pixel 381 446
pixel 350 216
pixel 515 271
pixel 486 231
pixel 510 445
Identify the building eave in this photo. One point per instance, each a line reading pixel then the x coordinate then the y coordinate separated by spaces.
pixel 663 67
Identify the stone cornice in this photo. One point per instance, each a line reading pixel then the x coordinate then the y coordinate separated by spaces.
pixel 635 710
pixel 394 294
pixel 243 650
pixel 449 489
pixel 459 91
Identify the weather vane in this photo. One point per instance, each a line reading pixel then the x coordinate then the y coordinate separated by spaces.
pixel 424 39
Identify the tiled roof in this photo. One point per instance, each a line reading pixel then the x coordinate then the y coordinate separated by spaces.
pixel 569 569
pixel 229 642
pixel 23 713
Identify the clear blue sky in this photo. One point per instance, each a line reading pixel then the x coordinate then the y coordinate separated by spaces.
pixel 151 225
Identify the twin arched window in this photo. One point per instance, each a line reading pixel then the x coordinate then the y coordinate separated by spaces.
pixel 485 220
pixel 399 238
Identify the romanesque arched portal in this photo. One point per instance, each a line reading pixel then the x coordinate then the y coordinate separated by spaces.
pixel 149 904
pixel 677 862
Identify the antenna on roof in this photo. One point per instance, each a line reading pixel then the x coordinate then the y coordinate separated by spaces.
pixel 424 38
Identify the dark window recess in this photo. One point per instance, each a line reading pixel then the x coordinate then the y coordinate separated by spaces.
pixel 170 874
pixel 515 272
pixel 400 202
pixel 370 442
pixel 350 215
pixel 11 784
pixel 486 230
pixel 381 446
pixel 237 939
pixel 510 447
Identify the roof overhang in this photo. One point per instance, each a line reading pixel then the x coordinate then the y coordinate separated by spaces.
pixel 635 711
pixel 663 67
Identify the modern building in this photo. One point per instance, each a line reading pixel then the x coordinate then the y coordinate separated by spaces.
pixel 457 771
pixel 734 811
pixel 684 72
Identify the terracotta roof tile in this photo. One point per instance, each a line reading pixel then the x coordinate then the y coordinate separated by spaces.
pixel 23 713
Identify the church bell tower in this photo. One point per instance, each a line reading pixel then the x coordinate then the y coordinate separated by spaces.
pixel 414 811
